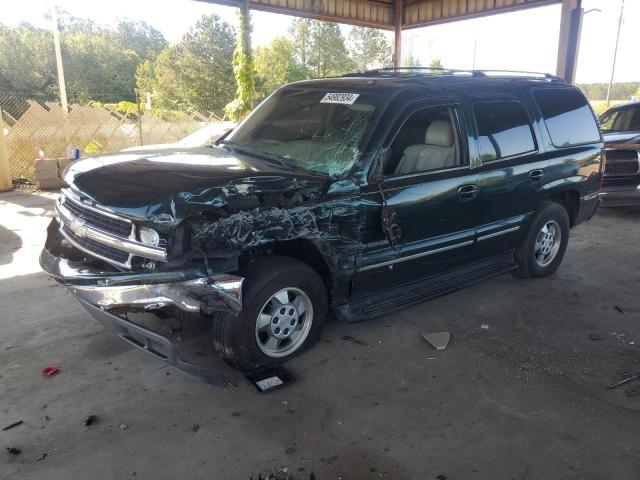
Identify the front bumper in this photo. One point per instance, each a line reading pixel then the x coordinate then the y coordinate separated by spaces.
pixel 620 196
pixel 191 290
pixel 109 295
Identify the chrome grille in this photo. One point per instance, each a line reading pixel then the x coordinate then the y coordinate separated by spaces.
pixel 97 249
pixel 116 226
pixel 102 233
pixel 622 162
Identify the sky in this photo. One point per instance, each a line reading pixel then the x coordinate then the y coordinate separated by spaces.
pixel 526 40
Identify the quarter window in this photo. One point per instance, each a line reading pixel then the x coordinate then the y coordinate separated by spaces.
pixel 568 117
pixel 503 130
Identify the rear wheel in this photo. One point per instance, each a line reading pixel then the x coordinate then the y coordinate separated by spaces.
pixel 543 248
pixel 284 309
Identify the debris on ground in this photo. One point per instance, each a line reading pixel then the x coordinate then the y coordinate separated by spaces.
pixel 42 457
pixel 484 326
pixel 14 424
pixel 49 371
pixel 13 451
pixel 619 309
pixel 90 420
pixel 349 338
pixel 123 426
pixel 632 391
pixel 439 340
pixel 595 337
pixel 195 427
pixel 624 381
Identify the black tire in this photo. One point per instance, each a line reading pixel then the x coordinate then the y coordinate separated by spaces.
pixel 528 267
pixel 234 337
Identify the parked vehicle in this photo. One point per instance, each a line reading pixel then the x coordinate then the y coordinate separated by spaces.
pixel 621 131
pixel 201 137
pixel 357 195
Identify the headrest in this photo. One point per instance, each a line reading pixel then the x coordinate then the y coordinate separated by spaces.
pixel 439 133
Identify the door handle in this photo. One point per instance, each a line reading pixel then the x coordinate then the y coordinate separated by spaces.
pixel 535 175
pixel 467 192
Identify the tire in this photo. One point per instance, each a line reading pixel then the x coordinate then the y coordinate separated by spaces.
pixel 237 338
pixel 531 257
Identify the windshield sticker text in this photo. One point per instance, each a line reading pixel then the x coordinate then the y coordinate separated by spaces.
pixel 344 98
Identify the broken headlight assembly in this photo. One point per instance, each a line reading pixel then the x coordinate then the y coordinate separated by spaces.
pixel 149 236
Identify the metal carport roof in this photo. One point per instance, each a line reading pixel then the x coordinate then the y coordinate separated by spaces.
pixel 400 15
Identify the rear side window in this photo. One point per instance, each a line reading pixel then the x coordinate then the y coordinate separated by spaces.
pixel 503 130
pixel 568 118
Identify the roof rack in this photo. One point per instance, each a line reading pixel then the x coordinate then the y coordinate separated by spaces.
pixel 435 71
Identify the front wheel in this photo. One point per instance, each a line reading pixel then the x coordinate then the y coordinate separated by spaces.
pixel 543 248
pixel 284 309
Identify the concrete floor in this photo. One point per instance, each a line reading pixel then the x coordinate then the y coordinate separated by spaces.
pixel 524 399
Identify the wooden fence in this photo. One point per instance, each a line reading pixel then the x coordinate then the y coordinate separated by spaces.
pixel 31 126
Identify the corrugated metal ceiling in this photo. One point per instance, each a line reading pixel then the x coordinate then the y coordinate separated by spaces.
pixel 381 13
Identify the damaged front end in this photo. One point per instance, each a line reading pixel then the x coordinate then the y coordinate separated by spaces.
pixel 86 245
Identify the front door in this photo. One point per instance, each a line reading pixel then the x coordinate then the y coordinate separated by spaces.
pixel 427 197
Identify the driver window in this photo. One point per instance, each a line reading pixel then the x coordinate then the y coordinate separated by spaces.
pixel 425 142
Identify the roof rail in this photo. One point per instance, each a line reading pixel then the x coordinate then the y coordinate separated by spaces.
pixel 453 71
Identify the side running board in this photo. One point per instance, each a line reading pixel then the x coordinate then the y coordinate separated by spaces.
pixel 405 296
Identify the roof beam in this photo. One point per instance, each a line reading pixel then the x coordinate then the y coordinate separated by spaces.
pixel 364 13
pixel 382 13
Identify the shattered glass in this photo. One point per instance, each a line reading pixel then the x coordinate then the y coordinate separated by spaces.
pixel 305 133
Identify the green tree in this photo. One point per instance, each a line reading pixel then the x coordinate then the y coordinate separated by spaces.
pixel 436 64
pixel 95 64
pixel 27 62
pixel 300 33
pixel 243 68
pixel 328 53
pixel 142 38
pixel 276 66
pixel 197 73
pixel 369 47
pixel 410 61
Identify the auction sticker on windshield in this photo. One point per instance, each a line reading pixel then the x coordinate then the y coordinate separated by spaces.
pixel 345 98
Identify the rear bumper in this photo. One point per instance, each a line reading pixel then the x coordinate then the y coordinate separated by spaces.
pixel 190 290
pixel 620 196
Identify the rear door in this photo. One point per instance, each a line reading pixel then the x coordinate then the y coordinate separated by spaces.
pixel 511 174
pixel 430 202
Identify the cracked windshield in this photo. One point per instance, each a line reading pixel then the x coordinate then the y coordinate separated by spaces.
pixel 307 129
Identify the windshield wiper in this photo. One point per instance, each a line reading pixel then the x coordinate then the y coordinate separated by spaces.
pixel 261 153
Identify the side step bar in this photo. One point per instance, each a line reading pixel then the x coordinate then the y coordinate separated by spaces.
pixel 405 296
pixel 132 332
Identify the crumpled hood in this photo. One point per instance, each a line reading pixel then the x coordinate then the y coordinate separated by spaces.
pixel 165 187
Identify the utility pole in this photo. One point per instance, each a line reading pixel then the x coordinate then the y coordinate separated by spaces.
pixel 615 52
pixel 56 43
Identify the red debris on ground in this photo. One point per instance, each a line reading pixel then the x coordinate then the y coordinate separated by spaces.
pixel 50 370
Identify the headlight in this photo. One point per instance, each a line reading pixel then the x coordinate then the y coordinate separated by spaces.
pixel 149 236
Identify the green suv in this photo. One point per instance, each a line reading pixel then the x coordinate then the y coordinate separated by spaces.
pixel 356 195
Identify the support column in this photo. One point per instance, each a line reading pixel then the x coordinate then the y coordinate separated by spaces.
pixel 5 172
pixel 397 50
pixel 569 41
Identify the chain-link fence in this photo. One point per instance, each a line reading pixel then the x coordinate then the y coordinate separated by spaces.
pixel 32 125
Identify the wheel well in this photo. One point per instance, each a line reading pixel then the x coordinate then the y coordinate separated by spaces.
pixel 570 201
pixel 306 252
